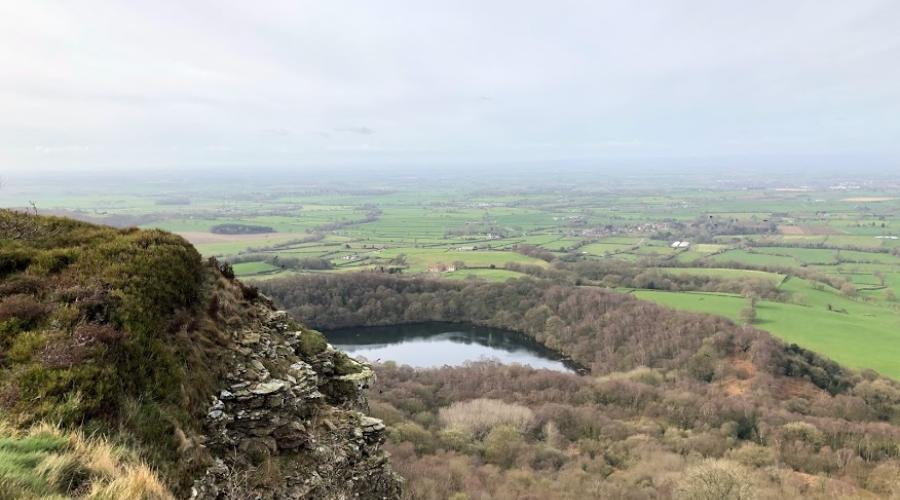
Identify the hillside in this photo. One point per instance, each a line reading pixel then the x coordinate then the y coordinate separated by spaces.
pixel 130 367
pixel 190 383
pixel 676 406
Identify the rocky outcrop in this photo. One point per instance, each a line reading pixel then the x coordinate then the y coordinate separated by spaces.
pixel 288 421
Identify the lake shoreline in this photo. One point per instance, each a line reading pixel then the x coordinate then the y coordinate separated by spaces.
pixel 443 342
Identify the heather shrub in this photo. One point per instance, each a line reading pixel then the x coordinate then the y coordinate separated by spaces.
pixel 24 308
pixel 93 317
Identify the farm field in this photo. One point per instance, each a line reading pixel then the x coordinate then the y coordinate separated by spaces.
pixel 856 334
pixel 245 269
pixel 802 251
pixel 724 273
pixel 484 274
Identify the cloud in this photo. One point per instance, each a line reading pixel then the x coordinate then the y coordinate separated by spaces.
pixel 355 130
pixel 278 132
pixel 167 83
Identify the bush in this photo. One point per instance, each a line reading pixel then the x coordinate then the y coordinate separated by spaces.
pixel 456 440
pixel 479 416
pixel 803 432
pixel 414 433
pixel 752 455
pixel 24 308
pixel 885 479
pixel 51 261
pixel 14 260
pixel 715 480
pixel 882 396
pixel 21 284
pixel 312 343
pixel 93 317
pixel 503 445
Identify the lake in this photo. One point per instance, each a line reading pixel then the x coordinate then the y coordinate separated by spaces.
pixel 431 345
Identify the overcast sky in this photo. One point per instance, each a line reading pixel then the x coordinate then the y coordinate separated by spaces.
pixel 117 85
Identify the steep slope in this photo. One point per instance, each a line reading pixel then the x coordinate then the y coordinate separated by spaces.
pixel 130 334
pixel 292 407
pixel 676 405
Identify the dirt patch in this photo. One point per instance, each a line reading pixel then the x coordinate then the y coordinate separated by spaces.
pixel 742 380
pixel 864 199
pixel 201 238
pixel 798 388
pixel 736 387
pixel 791 230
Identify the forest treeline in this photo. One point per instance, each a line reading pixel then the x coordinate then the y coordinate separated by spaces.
pixel 705 228
pixel 657 274
pixel 600 329
pixel 240 229
pixel 280 261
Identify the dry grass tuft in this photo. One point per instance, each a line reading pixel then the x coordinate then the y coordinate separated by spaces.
pixel 134 481
pixel 52 463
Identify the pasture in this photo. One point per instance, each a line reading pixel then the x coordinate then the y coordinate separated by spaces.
pixel 765 232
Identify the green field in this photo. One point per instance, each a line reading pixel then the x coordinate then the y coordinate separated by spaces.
pixel 724 273
pixel 483 274
pixel 417 225
pixel 419 259
pixel 253 268
pixel 753 258
pixel 854 333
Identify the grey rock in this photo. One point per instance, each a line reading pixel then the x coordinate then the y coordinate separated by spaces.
pixel 269 387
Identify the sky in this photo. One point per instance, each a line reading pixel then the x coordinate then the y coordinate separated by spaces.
pixel 290 84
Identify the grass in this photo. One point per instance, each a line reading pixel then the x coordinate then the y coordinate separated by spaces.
pixel 46 462
pixel 601 249
pixel 419 259
pixel 254 268
pixel 707 248
pixel 724 273
pixel 428 224
pixel 753 258
pixel 483 274
pixel 722 304
pixel 854 333
pixel 146 283
pixel 802 255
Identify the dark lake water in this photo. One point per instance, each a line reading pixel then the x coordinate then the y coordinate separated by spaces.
pixel 430 345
